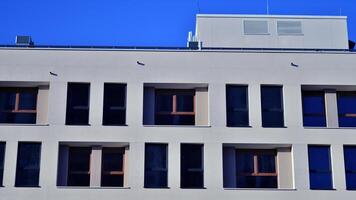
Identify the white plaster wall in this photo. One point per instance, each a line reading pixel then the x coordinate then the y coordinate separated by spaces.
pixel 319 32
pixel 213 68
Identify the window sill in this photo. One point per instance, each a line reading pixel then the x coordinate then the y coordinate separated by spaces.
pixel 77 124
pixel 198 188
pixel 238 126
pixel 182 126
pixel 338 128
pixel 164 188
pixel 88 187
pixel 316 189
pixel 32 186
pixel 263 189
pixel 23 124
pixel 274 127
pixel 115 125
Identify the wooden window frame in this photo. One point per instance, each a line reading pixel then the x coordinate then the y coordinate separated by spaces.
pixel 18 91
pixel 174 93
pixel 256 153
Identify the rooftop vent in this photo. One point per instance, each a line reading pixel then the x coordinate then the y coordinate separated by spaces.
pixel 289 27
pixel 22 40
pixel 193 43
pixel 255 27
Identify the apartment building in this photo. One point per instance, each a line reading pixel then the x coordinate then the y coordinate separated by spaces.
pixel 256 107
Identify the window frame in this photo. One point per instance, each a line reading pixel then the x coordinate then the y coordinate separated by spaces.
pixel 115 172
pixel 200 170
pixel 2 165
pixel 229 109
pixel 347 171
pixel 121 108
pixel 314 93
pixel 345 115
pixel 72 172
pixel 18 91
pixel 146 169
pixel 173 93
pixel 70 107
pixel 280 110
pixel 256 153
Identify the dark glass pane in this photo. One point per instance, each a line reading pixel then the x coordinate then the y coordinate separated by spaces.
pixel 237 106
pixel 175 120
pixel 272 106
pixel 77 104
pixel 79 166
pixel 28 164
pixel 244 161
pixel 257 181
pixel 18 118
pixel 2 158
pixel 156 165
pixel 112 180
pixel 28 100
pixel 319 158
pixel 185 103
pixel 346 103
pixel 266 163
pixel 112 161
pixel 350 166
pixel 114 104
pixel 164 102
pixel 314 109
pixel 192 166
pixel 237 118
pixel 319 167
pixel 320 180
pixel 272 119
pixel 7 101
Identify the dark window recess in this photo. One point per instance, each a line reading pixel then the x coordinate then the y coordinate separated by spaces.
pixel 79 166
pixel 28 164
pixel 256 168
pixel 156 169
pixel 2 158
pixel 114 104
pixel 346 104
pixel 18 105
pixel 175 107
pixel 78 104
pixel 112 167
pixel 314 109
pixel 350 167
pixel 272 106
pixel 320 174
pixel 192 162
pixel 237 106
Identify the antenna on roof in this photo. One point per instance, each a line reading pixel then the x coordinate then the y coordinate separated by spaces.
pixel 198 6
pixel 267 6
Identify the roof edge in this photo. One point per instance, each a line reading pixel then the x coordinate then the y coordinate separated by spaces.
pixel 270 16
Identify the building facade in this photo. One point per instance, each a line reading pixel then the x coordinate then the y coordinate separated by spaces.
pixel 263 108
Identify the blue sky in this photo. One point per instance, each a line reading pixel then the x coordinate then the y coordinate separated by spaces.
pixel 139 22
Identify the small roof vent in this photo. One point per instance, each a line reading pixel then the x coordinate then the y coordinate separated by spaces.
pixel 23 40
pixel 193 42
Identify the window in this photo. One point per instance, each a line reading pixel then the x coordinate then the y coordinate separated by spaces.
pixel 112 168
pixel 18 105
pixel 156 169
pixel 289 27
pixel 346 104
pixel 237 106
pixel 114 104
pixel 350 167
pixel 272 106
pixel 78 104
pixel 79 166
pixel 2 158
pixel 192 162
pixel 28 164
pixel 314 108
pixel 255 27
pixel 256 168
pixel 175 107
pixel 320 174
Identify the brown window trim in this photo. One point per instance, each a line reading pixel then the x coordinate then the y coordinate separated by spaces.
pixel 17 98
pixel 256 153
pixel 174 93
